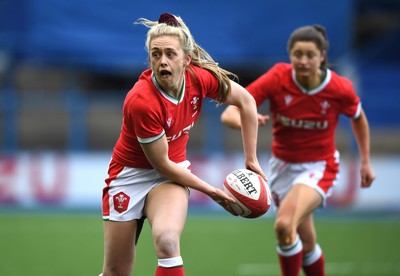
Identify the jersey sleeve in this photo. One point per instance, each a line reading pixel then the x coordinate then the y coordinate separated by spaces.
pixel 208 81
pixel 146 121
pixel 264 85
pixel 351 105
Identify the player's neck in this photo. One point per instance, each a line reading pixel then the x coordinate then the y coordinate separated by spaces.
pixel 172 91
pixel 312 81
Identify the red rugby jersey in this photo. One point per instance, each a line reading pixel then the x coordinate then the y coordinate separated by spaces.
pixel 149 113
pixel 304 122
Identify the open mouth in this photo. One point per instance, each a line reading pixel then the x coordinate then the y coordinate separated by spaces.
pixel 302 70
pixel 165 73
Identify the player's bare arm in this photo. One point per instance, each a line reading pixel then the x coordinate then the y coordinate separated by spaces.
pixel 361 132
pixel 157 154
pixel 231 117
pixel 247 109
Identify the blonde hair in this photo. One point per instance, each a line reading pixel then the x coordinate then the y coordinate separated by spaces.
pixel 200 57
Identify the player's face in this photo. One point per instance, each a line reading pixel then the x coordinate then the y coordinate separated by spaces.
pixel 306 59
pixel 168 62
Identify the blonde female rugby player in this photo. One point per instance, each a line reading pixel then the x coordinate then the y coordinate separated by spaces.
pixel 149 175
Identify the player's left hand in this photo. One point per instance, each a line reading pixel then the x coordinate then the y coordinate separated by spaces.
pixel 367 175
pixel 255 167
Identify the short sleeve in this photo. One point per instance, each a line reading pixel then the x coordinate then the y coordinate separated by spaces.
pixel 351 104
pixel 146 121
pixel 264 85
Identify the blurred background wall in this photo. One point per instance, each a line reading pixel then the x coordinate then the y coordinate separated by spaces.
pixel 65 67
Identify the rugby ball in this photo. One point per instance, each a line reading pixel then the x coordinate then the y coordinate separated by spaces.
pixel 250 191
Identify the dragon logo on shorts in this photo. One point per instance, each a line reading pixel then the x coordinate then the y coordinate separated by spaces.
pixel 121 202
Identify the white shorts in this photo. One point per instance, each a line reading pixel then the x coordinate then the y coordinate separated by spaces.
pixel 319 175
pixel 126 191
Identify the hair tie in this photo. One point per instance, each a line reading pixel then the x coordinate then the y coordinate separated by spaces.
pixel 168 19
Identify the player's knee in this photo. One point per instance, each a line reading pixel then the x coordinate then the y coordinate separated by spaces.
pixel 167 245
pixel 282 226
pixel 284 231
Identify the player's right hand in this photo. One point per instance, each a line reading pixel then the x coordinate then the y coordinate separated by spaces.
pixel 223 199
pixel 262 119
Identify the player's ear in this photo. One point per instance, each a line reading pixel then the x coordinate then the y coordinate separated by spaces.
pixel 323 56
pixel 188 60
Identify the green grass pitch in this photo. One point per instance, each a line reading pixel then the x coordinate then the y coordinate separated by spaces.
pixel 72 244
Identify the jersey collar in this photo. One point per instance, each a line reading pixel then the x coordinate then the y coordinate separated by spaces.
pixel 165 93
pixel 317 89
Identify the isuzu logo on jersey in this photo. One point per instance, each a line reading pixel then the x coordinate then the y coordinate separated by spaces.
pixel 298 123
pixel 179 134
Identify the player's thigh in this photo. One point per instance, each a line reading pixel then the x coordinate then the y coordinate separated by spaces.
pixel 119 244
pixel 166 208
pixel 300 201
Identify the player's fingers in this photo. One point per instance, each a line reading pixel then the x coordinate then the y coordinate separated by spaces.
pixel 225 204
pixel 261 123
pixel 229 209
pixel 366 182
pixel 230 199
pixel 363 181
pixel 261 120
pixel 264 177
pixel 363 184
pixel 258 170
pixel 368 179
pixel 224 199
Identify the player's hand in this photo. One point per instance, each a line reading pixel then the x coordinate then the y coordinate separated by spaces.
pixel 367 175
pixel 255 167
pixel 223 199
pixel 262 119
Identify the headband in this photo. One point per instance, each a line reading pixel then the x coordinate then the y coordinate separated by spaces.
pixel 168 19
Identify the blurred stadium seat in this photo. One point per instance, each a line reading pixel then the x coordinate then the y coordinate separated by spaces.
pixel 65 66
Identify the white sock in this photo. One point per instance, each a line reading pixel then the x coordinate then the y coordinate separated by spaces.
pixel 312 256
pixel 290 250
pixel 170 262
